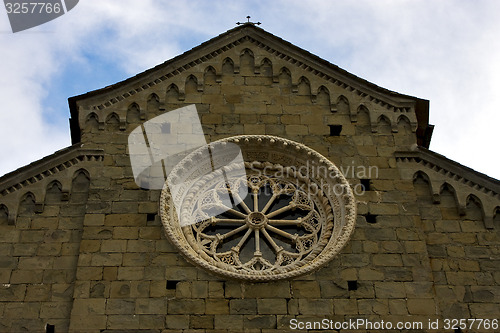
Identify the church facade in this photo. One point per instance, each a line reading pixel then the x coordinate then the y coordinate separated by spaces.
pixel 412 238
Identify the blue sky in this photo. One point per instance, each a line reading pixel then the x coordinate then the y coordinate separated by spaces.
pixel 444 51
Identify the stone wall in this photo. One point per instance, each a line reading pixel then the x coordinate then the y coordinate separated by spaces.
pixel 39 256
pixel 92 256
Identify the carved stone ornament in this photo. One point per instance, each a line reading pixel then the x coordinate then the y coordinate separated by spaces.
pixel 297 214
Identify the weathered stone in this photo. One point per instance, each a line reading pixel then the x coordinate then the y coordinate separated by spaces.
pixel 271 306
pixel 217 306
pixel 90 254
pixel 82 307
pixel 186 306
pixel 373 306
pixel 177 321
pixel 268 290
pixel 113 245
pixel 243 306
pixel 233 323
pixel 387 260
pixel 215 289
pixel 106 259
pixel 125 220
pixel 120 306
pixel 421 306
pixel 390 290
pixel 37 292
pixel 305 289
pixel 203 322
pixel 310 306
pixel 345 307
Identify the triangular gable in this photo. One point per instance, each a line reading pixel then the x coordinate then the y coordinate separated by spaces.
pixel 276 47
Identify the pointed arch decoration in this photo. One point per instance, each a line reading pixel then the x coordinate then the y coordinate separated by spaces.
pixel 422 185
pixel 247 62
pixel 285 77
pixel 54 193
pixel 362 117
pixel 133 113
pixel 4 215
pixel 172 94
pixel 342 106
pixel 92 122
pixel 383 125
pixel 404 124
pixel 210 76
pixel 496 216
pixel 153 106
pixel 80 182
pixel 27 205
pixel 228 66
pixel 474 208
pixel 323 97
pixel 191 86
pixel 304 87
pixel 266 67
pixel 114 122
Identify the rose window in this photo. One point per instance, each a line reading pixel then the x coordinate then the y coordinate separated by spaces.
pixel 288 215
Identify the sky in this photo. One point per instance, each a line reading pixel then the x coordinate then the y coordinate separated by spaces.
pixel 445 51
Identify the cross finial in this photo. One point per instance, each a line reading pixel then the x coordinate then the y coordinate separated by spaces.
pixel 248 22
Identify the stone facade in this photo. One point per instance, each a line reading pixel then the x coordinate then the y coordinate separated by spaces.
pixel 83 248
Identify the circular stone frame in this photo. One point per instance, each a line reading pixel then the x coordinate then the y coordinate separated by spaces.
pixel 333 201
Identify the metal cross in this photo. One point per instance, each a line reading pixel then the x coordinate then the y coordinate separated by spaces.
pixel 248 22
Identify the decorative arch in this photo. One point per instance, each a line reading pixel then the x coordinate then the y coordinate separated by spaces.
pixel 27 204
pixel 422 185
pixel 362 117
pixel 420 175
pixel 448 197
pixel 266 67
pixel 113 121
pixel 4 215
pixel 323 96
pixel 285 77
pixel 496 215
pixel 54 192
pixel 81 181
pixel 404 124
pixel 304 87
pixel 474 208
pixel 191 85
pixel 113 118
pixel 172 95
pixel 228 66
pixel 383 125
pixel 343 105
pixel 247 62
pixel 92 121
pixel 153 105
pixel 133 113
pixel 210 76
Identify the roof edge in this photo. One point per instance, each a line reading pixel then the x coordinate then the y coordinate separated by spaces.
pixel 443 162
pixel 424 130
pixel 35 171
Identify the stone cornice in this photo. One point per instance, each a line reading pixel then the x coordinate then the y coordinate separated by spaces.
pixel 306 61
pixel 275 46
pixel 451 169
pixel 48 166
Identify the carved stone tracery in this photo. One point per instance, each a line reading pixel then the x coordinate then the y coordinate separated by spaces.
pixel 292 221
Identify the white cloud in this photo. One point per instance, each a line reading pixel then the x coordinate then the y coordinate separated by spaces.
pixel 443 51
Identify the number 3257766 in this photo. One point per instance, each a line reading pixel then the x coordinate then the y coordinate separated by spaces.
pixel 32 8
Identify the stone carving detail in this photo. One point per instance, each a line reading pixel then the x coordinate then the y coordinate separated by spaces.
pixel 436 171
pixel 4 215
pixel 293 221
